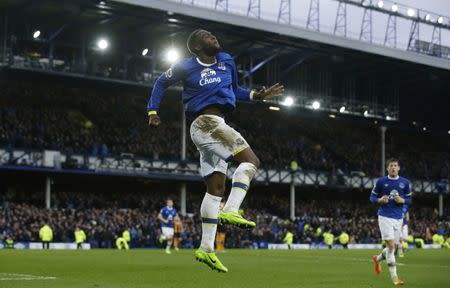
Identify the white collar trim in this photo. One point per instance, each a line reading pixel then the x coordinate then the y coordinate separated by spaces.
pixel 204 64
pixel 394 178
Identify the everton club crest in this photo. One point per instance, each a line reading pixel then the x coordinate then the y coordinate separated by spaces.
pixel 221 66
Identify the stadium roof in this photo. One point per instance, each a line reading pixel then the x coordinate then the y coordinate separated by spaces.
pixel 130 28
pixel 291 31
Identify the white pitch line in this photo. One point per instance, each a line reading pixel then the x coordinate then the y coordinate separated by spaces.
pixel 27 279
pixel 23 277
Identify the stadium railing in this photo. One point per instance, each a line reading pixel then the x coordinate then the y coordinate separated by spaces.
pixel 50 161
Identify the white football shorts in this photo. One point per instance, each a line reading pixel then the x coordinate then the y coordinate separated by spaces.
pixel 390 228
pixel 167 232
pixel 405 232
pixel 217 143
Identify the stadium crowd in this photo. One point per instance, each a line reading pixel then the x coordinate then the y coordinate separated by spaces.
pixel 104 216
pixel 79 119
pixel 85 121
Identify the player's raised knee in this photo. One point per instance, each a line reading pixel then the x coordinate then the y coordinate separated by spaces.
pixel 256 162
pixel 248 156
pixel 247 169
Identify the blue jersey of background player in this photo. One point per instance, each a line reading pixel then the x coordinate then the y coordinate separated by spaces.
pixel 405 214
pixel 391 193
pixel 405 232
pixel 394 192
pixel 167 214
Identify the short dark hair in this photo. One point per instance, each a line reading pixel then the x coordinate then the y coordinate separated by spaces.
pixel 390 160
pixel 193 40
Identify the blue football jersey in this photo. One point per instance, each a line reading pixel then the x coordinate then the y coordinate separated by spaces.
pixel 203 84
pixel 168 214
pixel 405 211
pixel 391 187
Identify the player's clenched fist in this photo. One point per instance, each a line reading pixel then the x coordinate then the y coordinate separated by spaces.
pixel 399 200
pixel 383 200
pixel 154 120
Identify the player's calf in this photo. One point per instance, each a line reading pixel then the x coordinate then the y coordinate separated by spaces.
pixel 247 156
pixel 241 183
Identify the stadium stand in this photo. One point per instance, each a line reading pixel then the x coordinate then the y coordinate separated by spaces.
pixel 82 120
pixel 104 215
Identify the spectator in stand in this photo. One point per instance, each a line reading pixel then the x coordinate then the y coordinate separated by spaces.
pixel 102 216
pixel 77 120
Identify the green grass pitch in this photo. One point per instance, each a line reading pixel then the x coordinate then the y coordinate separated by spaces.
pixel 247 268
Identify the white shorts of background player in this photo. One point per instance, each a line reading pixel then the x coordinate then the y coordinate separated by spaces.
pixel 167 232
pixel 390 228
pixel 405 232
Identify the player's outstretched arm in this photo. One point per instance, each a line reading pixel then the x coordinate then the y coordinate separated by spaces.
pixel 168 78
pixel 263 94
pixel 272 92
